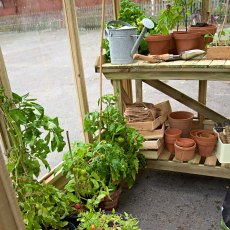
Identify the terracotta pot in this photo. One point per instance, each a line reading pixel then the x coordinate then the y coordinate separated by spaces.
pixel 193 133
pixel 110 203
pixel 205 30
pixel 185 142
pixel 187 41
pixel 206 135
pixel 205 148
pixel 206 141
pixel 181 120
pixel 172 45
pixel 184 153
pixel 158 44
pixel 171 134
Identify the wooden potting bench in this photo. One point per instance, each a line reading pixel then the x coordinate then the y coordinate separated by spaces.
pixel 153 74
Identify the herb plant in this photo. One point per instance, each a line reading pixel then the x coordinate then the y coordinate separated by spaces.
pixel 102 220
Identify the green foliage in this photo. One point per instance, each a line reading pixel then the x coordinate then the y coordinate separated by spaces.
pixel 89 186
pixel 98 168
pixel 42 204
pixel 167 20
pixel 102 220
pixel 123 140
pixel 32 133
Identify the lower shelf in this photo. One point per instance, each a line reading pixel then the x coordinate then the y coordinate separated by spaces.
pixel 207 166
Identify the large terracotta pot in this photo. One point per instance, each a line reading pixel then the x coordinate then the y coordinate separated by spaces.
pixel 171 134
pixel 181 120
pixel 206 141
pixel 158 44
pixel 208 30
pixel 185 153
pixel 187 41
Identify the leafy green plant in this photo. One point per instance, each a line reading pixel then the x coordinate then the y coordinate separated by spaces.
pixel 95 170
pixel 32 134
pixel 85 185
pixel 115 132
pixel 167 20
pixel 42 205
pixel 102 220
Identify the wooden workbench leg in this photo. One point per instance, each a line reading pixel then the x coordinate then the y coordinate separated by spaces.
pixel 117 90
pixel 127 86
pixel 202 99
pixel 139 95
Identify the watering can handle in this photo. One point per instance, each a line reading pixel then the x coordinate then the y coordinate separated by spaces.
pixel 119 22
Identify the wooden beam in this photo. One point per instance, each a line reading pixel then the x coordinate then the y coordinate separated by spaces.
pixel 116 9
pixel 139 94
pixel 75 49
pixel 202 99
pixel 10 216
pixel 205 14
pixel 5 83
pixel 186 100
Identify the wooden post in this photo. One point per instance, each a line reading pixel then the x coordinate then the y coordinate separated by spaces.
pixel 116 7
pixel 10 216
pixel 126 84
pixel 72 29
pixel 205 11
pixel 4 82
pixel 202 99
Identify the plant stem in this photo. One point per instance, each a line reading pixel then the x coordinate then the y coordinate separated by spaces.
pixel 71 156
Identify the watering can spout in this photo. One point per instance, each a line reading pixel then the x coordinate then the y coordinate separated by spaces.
pixel 148 24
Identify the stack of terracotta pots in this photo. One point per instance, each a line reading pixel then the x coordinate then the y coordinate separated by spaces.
pixel 206 141
pixel 185 149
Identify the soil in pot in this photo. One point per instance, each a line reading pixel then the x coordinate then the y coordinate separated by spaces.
pixel 110 203
pixel 171 134
pixel 181 120
pixel 187 41
pixel 185 153
pixel 158 44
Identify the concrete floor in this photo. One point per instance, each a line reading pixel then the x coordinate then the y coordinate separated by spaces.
pixel 39 63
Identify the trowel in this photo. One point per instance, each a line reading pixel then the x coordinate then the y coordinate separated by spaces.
pixel 185 55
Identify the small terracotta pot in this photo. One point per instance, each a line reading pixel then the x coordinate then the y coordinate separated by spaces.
pixel 185 142
pixel 184 153
pixel 181 120
pixel 158 44
pixel 205 148
pixel 171 134
pixel 206 141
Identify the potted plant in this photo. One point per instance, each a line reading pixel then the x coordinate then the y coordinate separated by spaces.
pixel 185 40
pixel 96 170
pixel 160 40
pixel 33 135
pixel 105 220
